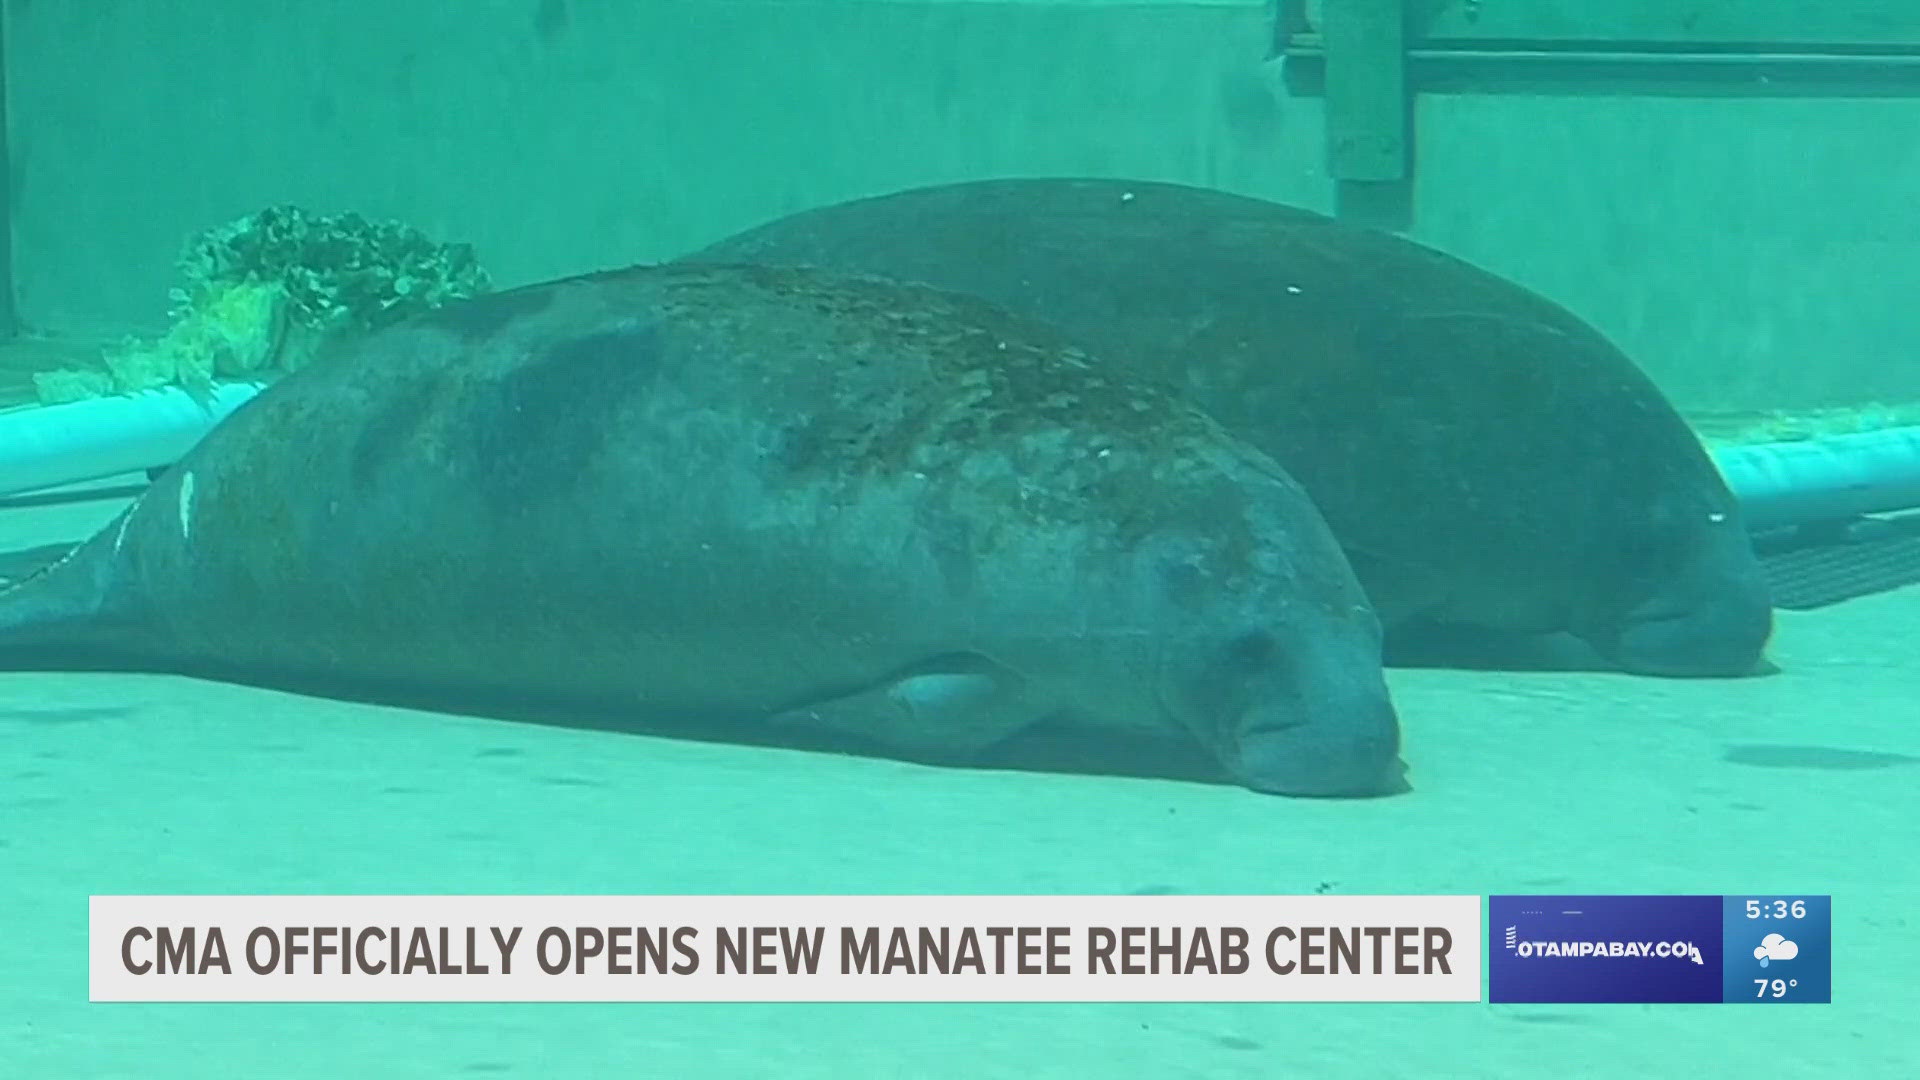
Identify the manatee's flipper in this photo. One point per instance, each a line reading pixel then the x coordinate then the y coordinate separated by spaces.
pixel 941 712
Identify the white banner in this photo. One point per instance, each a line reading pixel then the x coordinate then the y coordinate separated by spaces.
pixel 784 948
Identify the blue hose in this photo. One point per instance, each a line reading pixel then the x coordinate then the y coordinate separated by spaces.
pixel 1780 485
pixel 1831 478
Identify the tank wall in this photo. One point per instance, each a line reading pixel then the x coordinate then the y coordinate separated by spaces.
pixel 1750 253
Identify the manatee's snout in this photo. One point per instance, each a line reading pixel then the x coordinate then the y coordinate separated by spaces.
pixel 1714 622
pixel 1339 742
pixel 1723 637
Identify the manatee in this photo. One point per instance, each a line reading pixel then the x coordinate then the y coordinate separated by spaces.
pixel 771 500
pixel 1493 466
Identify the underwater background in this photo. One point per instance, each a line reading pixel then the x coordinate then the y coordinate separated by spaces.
pixel 1727 191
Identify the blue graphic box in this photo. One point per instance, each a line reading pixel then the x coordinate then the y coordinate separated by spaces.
pixel 1779 948
pixel 1658 949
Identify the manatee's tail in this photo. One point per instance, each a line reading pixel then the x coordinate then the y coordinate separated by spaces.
pixel 18 566
pixel 53 606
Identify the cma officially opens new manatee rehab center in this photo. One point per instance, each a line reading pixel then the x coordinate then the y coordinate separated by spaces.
pixel 792 950
pixel 811 948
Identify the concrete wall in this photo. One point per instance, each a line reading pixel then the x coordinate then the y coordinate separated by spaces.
pixel 1748 252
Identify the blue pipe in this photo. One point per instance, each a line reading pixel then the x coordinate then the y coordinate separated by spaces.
pixel 1784 484
pixel 1831 478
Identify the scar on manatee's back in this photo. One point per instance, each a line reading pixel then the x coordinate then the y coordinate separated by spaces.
pixel 548 417
pixel 396 424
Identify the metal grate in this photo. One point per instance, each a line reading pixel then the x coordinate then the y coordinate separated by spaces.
pixel 1806 578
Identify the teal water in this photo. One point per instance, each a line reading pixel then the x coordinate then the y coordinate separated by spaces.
pixel 1758 254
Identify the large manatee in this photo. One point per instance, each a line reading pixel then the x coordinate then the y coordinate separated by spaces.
pixel 770 498
pixel 1489 461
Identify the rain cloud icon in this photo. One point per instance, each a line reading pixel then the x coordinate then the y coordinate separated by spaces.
pixel 1774 947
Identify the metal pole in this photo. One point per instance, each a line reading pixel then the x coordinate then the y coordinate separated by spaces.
pixel 9 317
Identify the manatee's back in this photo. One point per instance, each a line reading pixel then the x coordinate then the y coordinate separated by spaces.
pixel 603 485
pixel 1479 450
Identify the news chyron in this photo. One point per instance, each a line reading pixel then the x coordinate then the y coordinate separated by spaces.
pixel 1765 949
